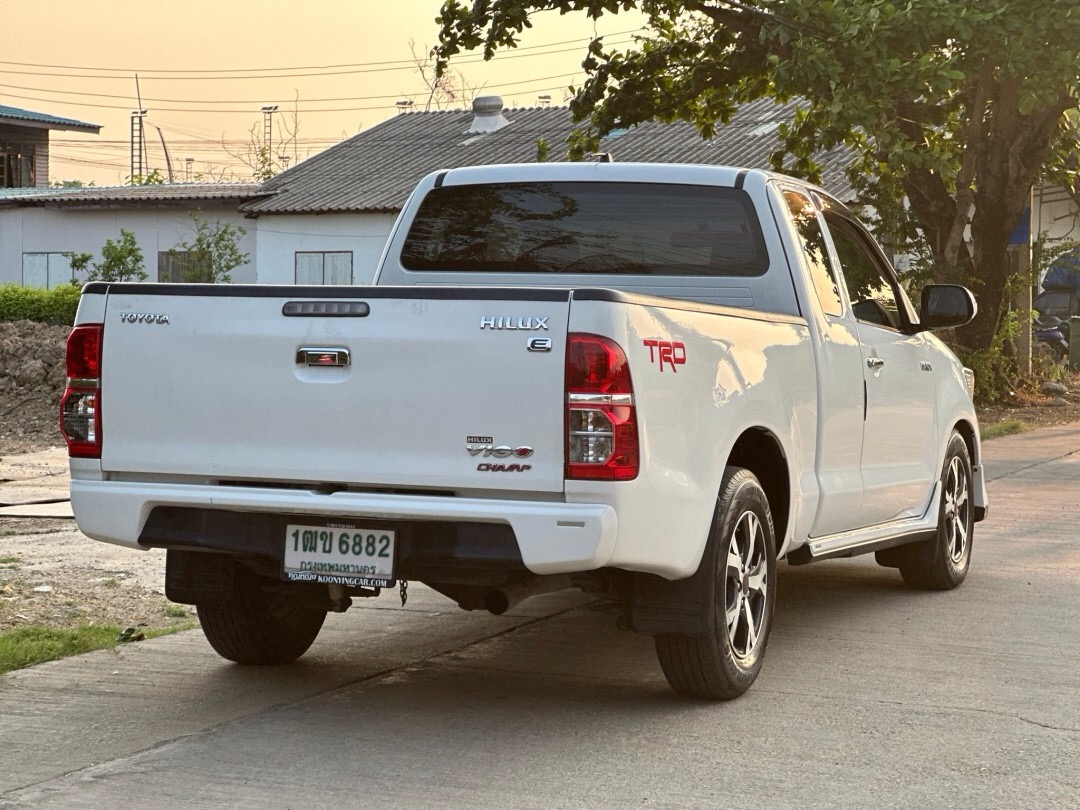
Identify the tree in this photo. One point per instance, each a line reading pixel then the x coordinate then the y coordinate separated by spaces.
pixel 446 88
pixel 960 106
pixel 152 178
pixel 214 252
pixel 256 153
pixel 120 261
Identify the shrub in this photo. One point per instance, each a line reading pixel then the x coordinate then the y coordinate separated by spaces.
pixel 56 306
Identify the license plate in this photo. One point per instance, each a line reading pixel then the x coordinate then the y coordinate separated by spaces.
pixel 339 554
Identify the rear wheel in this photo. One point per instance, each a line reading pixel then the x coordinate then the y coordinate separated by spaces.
pixel 724 662
pixel 256 624
pixel 942 563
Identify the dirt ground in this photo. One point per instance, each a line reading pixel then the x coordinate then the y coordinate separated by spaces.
pixel 51 574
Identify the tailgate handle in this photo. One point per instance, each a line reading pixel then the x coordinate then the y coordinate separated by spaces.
pixel 322 356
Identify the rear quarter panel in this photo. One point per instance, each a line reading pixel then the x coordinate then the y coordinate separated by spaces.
pixel 741 371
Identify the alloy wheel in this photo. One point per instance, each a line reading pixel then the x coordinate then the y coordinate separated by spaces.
pixel 746 585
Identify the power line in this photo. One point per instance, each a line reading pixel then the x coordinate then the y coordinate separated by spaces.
pixel 405 63
pixel 412 66
pixel 146 99
pixel 305 111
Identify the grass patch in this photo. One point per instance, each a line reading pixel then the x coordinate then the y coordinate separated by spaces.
pixel 176 611
pixel 111 583
pixel 9 559
pixel 27 646
pixel 1006 427
pixel 8 532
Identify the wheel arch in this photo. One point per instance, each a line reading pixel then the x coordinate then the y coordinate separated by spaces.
pixel 967 432
pixel 759 450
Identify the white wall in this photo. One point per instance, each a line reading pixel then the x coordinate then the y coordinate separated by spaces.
pixel 1055 215
pixel 81 230
pixel 282 235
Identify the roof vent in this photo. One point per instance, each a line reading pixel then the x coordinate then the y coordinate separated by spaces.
pixel 487 115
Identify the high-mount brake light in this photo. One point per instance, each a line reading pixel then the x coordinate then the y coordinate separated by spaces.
pixel 80 407
pixel 601 422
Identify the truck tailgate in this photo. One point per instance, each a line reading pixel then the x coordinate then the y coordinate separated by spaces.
pixel 428 387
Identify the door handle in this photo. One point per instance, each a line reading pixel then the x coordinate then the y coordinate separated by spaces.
pixel 334 356
pixel 874 362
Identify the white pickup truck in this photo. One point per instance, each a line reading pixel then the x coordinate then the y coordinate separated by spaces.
pixel 650 382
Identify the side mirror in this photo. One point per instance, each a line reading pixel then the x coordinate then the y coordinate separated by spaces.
pixel 946 305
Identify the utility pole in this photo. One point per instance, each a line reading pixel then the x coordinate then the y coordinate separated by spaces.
pixel 137 144
pixel 165 149
pixel 268 131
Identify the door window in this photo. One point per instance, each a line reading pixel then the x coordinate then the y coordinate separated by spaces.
pixel 874 293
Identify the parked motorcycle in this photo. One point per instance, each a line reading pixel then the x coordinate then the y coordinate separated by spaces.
pixel 1054 332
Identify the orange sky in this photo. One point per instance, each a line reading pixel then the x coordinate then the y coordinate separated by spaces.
pixel 207 67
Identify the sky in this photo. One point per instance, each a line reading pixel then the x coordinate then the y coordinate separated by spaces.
pixel 206 68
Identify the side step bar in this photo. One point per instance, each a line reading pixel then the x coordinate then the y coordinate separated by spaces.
pixel 875 538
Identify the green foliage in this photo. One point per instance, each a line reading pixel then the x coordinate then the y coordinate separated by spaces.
pixel 1005 427
pixel 27 646
pixel 153 178
pixel 995 367
pixel 958 106
pixel 541 150
pixel 79 263
pixel 56 306
pixel 70 184
pixel 214 252
pixel 264 164
pixel 120 261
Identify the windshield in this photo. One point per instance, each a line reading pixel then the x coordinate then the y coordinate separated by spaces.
pixel 636 228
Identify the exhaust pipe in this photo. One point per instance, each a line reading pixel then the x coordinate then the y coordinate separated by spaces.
pixel 499 600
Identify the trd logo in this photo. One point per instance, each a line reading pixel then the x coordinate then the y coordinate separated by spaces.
pixel 666 351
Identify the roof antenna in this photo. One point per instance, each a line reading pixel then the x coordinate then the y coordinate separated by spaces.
pixel 601 157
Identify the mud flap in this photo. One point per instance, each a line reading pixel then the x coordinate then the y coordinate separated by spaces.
pixel 196 577
pixel 663 607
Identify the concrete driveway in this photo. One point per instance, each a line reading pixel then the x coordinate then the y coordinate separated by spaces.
pixel 871 696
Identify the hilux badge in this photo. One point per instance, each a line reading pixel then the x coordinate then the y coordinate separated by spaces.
pixel 533 323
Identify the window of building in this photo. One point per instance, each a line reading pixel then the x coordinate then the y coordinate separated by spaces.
pixel 179 266
pixel 46 270
pixel 17 165
pixel 324 267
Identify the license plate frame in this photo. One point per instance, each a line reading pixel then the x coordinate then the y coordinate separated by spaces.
pixel 339 553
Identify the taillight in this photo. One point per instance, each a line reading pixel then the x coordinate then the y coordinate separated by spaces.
pixel 80 407
pixel 601 424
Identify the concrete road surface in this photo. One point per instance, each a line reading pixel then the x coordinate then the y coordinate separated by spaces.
pixel 871 696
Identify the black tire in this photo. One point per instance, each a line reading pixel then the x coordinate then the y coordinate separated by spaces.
pixel 723 663
pixel 256 625
pixel 942 563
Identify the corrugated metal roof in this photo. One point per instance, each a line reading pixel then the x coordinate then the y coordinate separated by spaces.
pixel 16 115
pixel 169 192
pixel 376 169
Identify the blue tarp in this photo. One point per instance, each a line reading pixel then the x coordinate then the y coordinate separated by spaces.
pixel 1064 273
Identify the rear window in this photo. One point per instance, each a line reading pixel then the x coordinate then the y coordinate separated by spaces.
pixel 636 228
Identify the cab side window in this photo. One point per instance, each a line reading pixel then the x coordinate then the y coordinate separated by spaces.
pixel 874 295
pixel 804 217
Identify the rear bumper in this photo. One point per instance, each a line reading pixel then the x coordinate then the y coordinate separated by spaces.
pixel 552 537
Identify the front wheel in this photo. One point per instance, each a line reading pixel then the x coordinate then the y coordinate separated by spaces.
pixel 942 563
pixel 725 661
pixel 258 625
